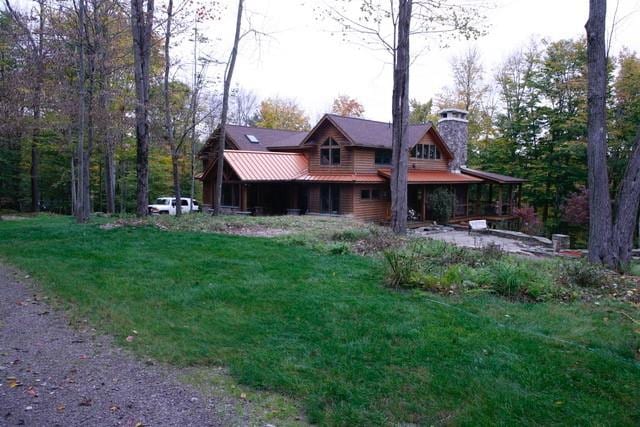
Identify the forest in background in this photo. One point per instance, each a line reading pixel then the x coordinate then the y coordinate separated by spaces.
pixel 528 117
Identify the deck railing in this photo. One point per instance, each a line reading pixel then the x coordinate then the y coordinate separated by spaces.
pixel 478 209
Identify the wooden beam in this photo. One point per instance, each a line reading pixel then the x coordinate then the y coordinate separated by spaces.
pixel 424 203
pixel 243 197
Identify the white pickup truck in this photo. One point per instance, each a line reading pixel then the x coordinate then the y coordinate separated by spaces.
pixel 167 206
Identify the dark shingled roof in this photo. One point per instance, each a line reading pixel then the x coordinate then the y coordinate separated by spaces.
pixel 370 133
pixel 495 177
pixel 267 138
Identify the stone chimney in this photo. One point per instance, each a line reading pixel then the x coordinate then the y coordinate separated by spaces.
pixel 454 128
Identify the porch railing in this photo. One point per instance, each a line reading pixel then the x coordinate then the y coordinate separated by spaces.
pixel 485 208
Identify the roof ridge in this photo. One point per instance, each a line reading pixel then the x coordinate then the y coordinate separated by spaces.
pixel 375 121
pixel 265 128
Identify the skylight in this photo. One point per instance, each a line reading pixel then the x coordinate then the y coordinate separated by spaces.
pixel 252 139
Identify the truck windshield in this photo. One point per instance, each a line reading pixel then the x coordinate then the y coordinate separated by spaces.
pixel 162 201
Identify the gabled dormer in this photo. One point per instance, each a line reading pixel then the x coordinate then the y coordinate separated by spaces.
pixel 354 145
pixel 329 148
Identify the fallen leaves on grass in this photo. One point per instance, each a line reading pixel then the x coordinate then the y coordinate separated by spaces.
pixel 13 382
pixel 85 402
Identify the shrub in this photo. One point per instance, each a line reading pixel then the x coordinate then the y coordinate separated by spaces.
pixel 351 235
pixel 584 274
pixel 453 276
pixel 576 207
pixel 440 203
pixel 529 221
pixel 338 249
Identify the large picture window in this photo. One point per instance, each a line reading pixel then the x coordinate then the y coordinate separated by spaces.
pixel 426 151
pixel 330 152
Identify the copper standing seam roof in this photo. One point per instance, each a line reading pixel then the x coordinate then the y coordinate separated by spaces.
pixel 434 177
pixel 351 178
pixel 266 165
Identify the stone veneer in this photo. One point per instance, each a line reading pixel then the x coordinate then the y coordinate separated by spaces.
pixel 454 129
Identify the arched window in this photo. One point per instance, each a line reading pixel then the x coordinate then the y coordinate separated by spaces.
pixel 330 152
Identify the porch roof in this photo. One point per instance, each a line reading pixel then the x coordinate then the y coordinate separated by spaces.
pixel 493 177
pixel 351 178
pixel 434 177
pixel 266 165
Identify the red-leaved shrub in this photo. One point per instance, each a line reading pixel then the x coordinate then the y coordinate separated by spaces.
pixel 529 222
pixel 576 207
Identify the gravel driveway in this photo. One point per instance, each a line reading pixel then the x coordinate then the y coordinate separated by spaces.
pixel 55 375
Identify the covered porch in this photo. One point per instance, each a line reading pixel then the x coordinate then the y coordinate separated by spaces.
pixel 263 198
pixel 490 196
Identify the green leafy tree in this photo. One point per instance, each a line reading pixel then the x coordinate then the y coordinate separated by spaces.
pixel 279 113
pixel 626 114
pixel 421 112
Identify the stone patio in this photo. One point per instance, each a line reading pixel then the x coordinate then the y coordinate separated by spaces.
pixel 478 240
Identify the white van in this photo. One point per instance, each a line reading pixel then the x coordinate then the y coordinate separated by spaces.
pixel 167 206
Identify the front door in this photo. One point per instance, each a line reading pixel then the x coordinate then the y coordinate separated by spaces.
pixel 330 198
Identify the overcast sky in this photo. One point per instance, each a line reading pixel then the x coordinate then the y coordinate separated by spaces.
pixel 301 59
pixel 304 59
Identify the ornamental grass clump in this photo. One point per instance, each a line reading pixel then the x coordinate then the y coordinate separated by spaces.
pixel 516 280
pixel 402 266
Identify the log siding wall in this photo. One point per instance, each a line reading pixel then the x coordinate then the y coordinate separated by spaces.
pixel 370 209
pixel 346 154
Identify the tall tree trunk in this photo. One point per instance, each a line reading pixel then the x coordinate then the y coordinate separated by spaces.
pixel 86 162
pixel 400 113
pixel 110 173
pixel 194 111
pixel 600 249
pixel 35 155
pixel 168 123
pixel 627 209
pixel 142 29
pixel 37 56
pixel 80 213
pixel 225 108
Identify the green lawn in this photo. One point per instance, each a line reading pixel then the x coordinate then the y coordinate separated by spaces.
pixel 323 330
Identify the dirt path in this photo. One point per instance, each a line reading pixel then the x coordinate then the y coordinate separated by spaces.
pixel 53 375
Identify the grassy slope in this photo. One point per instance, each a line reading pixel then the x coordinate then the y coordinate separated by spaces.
pixel 322 329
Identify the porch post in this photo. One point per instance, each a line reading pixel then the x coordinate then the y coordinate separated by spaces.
pixel 466 191
pixel 511 199
pixel 499 210
pixel 294 194
pixel 490 201
pixel 452 191
pixel 424 203
pixel 519 195
pixel 243 197
pixel 478 199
